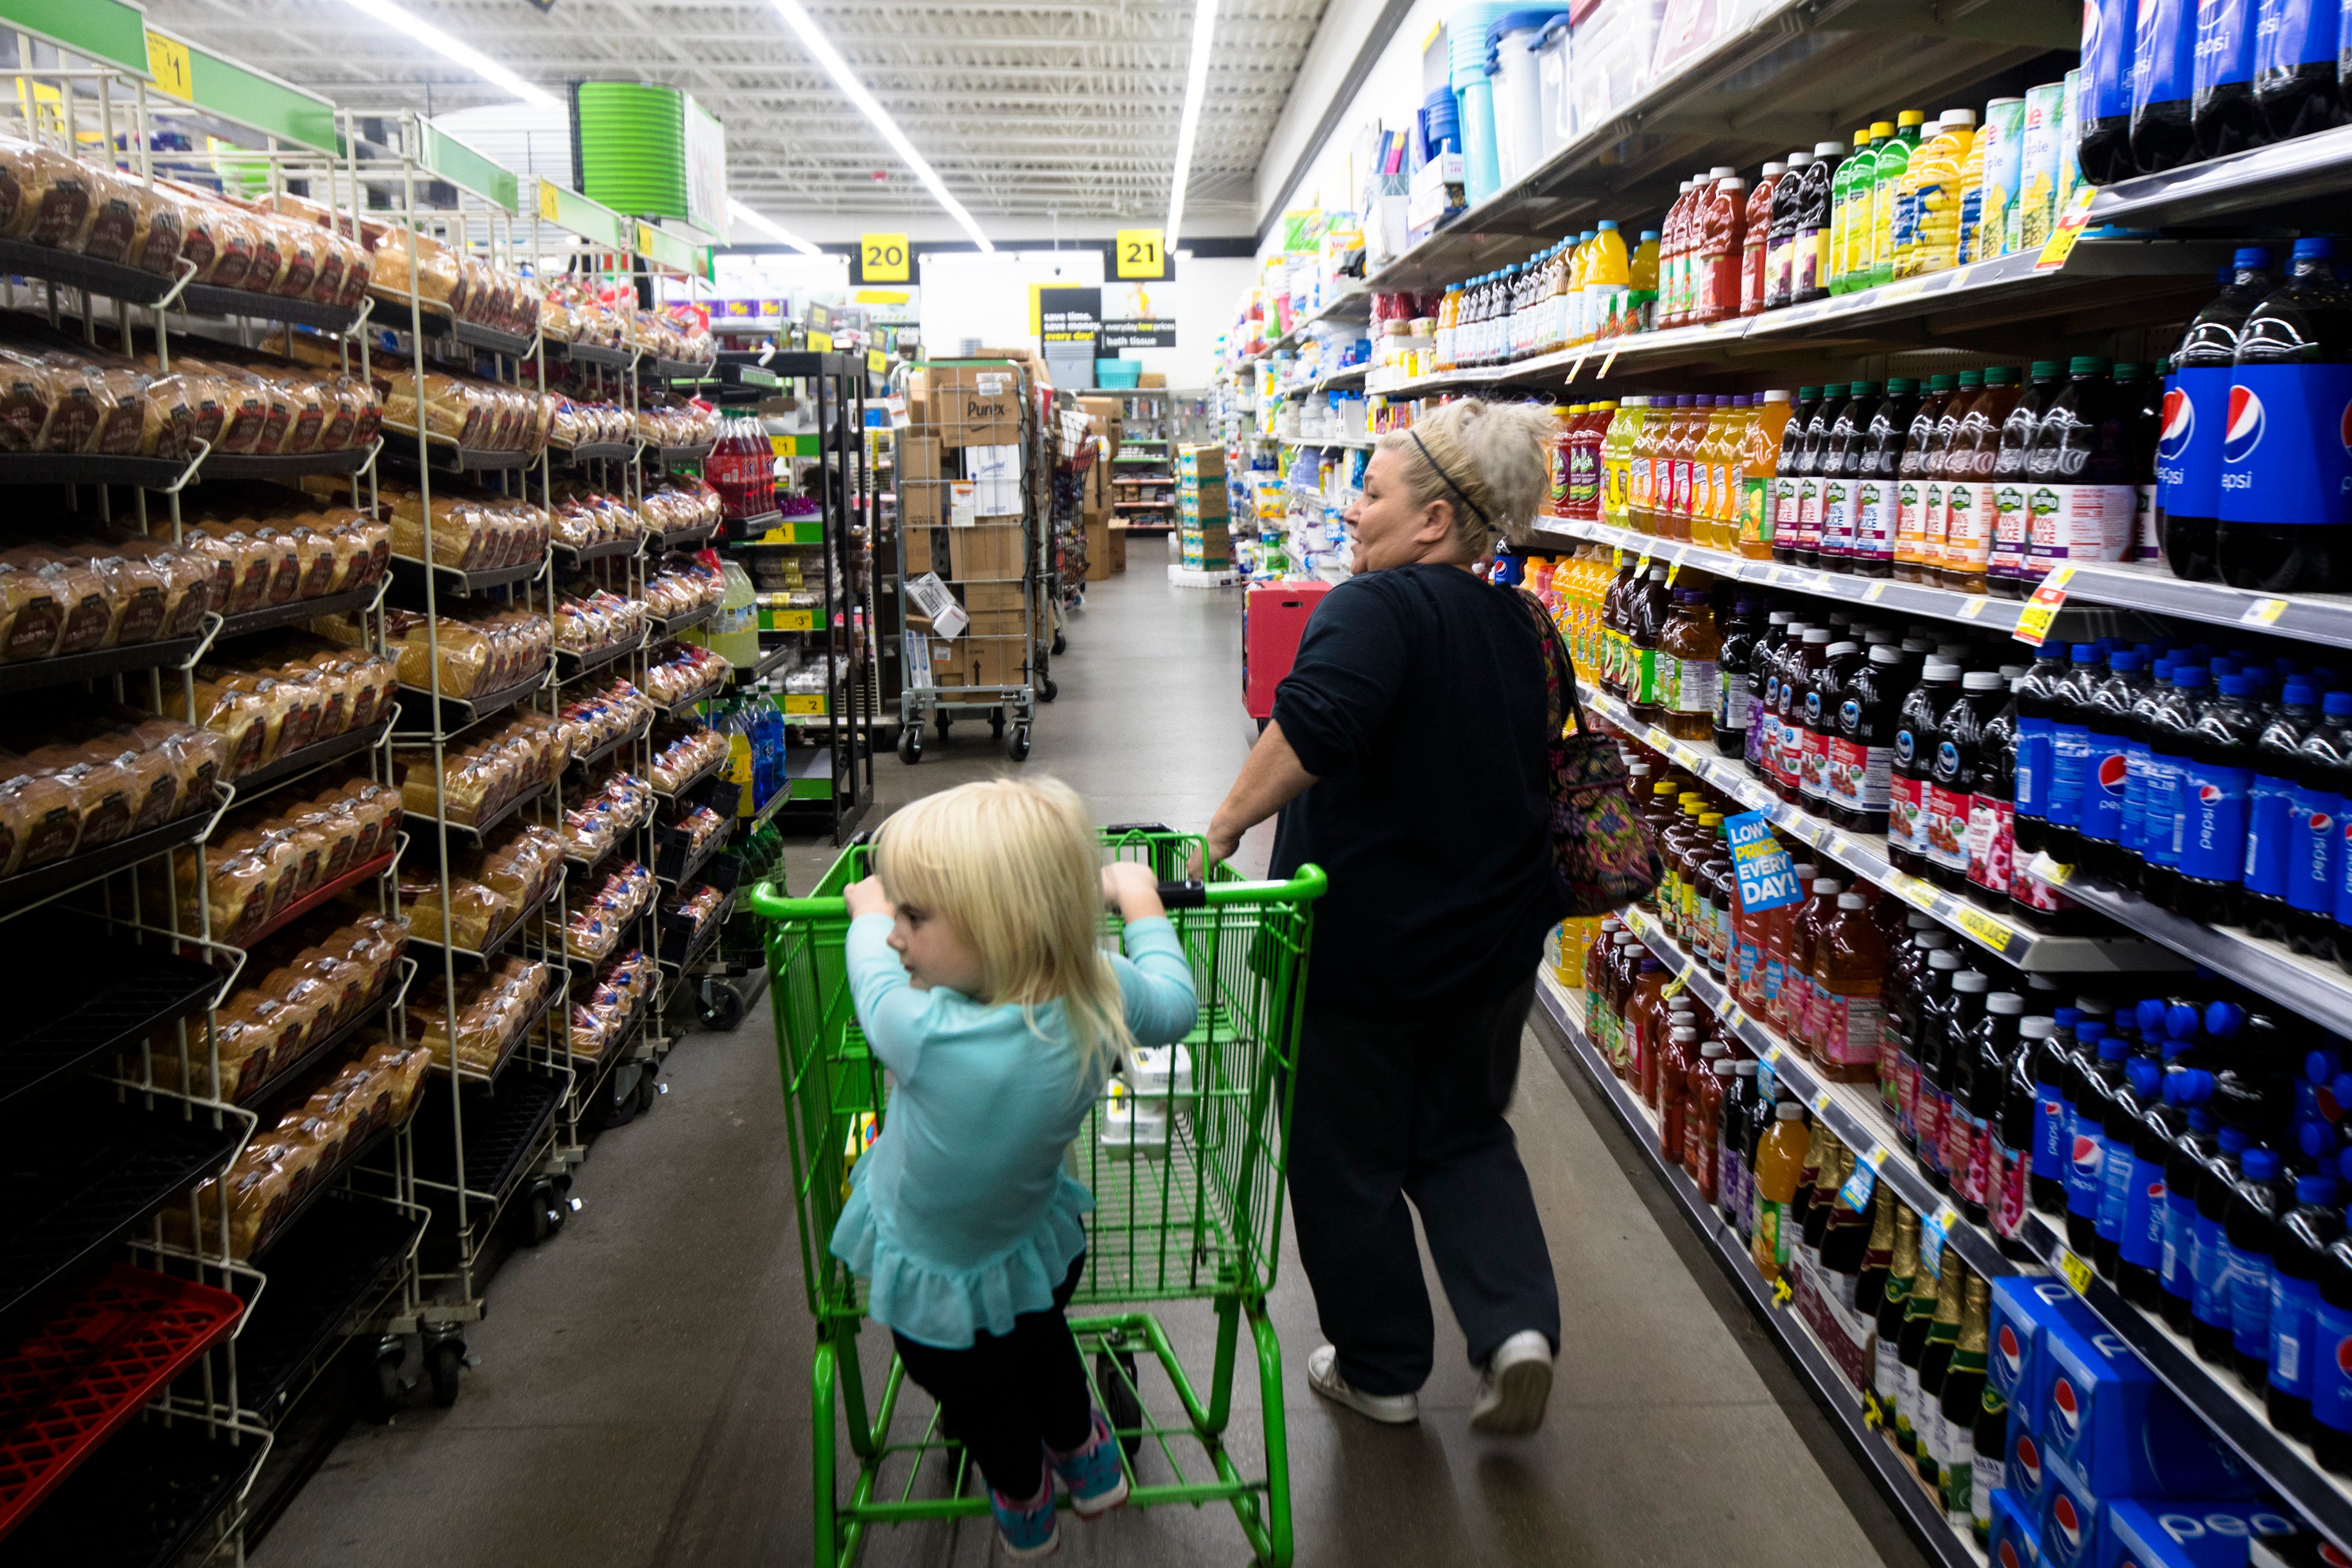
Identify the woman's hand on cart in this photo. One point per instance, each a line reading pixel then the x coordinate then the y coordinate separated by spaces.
pixel 1217 845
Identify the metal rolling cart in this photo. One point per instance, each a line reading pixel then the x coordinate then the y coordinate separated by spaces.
pixel 988 527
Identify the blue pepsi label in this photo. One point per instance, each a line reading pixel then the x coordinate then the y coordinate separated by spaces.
pixel 2249 1302
pixel 2114 1191
pixel 2286 450
pixel 2106 58
pixel 2034 739
pixel 2315 843
pixel 2331 1366
pixel 2291 33
pixel 2048 1132
pixel 2268 842
pixel 2085 1181
pixel 2162 55
pixel 2213 821
pixel 2294 1309
pixel 2188 445
pixel 2071 753
pixel 2141 1241
pixel 2225 46
pixel 2134 833
pixel 2103 782
pixel 2161 837
pixel 2209 1263
pixel 2178 1273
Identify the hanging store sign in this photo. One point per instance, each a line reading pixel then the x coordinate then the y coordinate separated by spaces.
pixel 883 258
pixel 1140 255
pixel 1069 316
pixel 1138 332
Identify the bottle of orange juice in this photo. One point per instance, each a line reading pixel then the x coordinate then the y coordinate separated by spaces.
pixel 1711 473
pixel 1648 442
pixel 1780 1165
pixel 1760 457
pixel 1727 473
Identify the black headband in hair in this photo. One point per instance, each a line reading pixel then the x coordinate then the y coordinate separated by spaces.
pixel 1450 485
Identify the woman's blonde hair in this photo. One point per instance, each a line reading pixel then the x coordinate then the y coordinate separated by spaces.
pixel 1014 868
pixel 1488 457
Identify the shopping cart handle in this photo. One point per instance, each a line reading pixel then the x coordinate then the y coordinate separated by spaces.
pixel 1127 827
pixel 1184 895
pixel 1305 885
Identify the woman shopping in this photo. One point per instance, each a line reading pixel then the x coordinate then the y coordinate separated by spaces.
pixel 1407 757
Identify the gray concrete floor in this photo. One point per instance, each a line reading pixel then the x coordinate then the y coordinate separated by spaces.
pixel 641 1397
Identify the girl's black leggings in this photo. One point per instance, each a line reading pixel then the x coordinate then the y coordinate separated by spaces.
pixel 1010 1396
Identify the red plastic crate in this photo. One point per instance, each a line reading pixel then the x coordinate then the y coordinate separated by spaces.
pixel 103 1351
pixel 1273 618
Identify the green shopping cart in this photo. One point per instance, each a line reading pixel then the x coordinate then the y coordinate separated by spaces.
pixel 1184 1155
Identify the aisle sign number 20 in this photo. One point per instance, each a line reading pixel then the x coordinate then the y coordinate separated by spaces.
pixel 883 258
pixel 1142 253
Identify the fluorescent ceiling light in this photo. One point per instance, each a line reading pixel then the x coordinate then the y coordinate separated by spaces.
pixel 1196 84
pixel 813 39
pixel 737 213
pixel 441 43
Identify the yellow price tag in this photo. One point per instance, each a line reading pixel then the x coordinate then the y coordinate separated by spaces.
pixel 1974 607
pixel 168 63
pixel 547 200
pixel 1642 565
pixel 1605 364
pixel 1774 1052
pixel 1874 592
pixel 1735 1017
pixel 2076 1271
pixel 2050 871
pixel 1142 253
pixel 2263 612
pixel 1659 740
pixel 788 620
pixel 1782 1292
pixel 1912 890
pixel 884 259
pixel 1674 987
pixel 1995 934
pixel 2049 597
pixel 1872 1418
pixel 2071 224
pixel 1895 293
pixel 877 362
pixel 804 702
pixel 1821 1103
pixel 1577 365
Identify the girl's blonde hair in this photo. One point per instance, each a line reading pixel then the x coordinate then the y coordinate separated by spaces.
pixel 1493 457
pixel 1014 868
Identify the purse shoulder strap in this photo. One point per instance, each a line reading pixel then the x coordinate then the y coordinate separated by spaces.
pixel 1561 667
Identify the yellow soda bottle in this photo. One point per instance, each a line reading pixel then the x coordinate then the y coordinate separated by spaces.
pixel 1608 272
pixel 1642 283
pixel 1617 462
pixel 1578 259
pixel 1927 206
pixel 1850 210
pixel 1886 182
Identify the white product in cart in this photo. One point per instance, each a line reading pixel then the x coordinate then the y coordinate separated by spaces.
pixel 1130 1124
pixel 1158 1071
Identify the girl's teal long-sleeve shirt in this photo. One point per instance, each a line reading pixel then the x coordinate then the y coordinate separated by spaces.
pixel 961 1216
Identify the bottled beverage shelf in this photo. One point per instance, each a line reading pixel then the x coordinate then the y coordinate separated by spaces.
pixel 2314 617
pixel 2261 179
pixel 2313 987
pixel 1866 855
pixel 1897 598
pixel 1852 1112
pixel 1353 304
pixel 1922 1515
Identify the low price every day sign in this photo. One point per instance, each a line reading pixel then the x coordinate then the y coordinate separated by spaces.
pixel 1768 878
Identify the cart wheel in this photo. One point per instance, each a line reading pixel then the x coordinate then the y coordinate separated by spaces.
pixel 376 1380
pixel 1060 643
pixel 443 1361
pixel 1047 690
pixel 1121 1406
pixel 996 724
pixel 910 744
pixel 646 1091
pixel 1016 744
pixel 940 723
pixel 722 1007
pixel 535 1216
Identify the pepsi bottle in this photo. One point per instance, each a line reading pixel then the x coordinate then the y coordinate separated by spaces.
pixel 2164 40
pixel 2168 735
pixel 2131 843
pixel 2250 1231
pixel 2106 773
pixel 2221 113
pixel 2011 1175
pixel 2037 707
pixel 2070 753
pixel 2271 840
pixel 2196 413
pixel 2298 1253
pixel 2198 1142
pixel 2104 150
pixel 2140 1258
pixel 2315 827
pixel 2142 1081
pixel 2215 788
pixel 2295 52
pixel 2048 1040
pixel 2210 1321
pixel 2089 1090
pixel 2286 467
pixel 2331 1358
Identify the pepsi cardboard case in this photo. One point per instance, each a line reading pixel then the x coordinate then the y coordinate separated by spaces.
pixel 2028 1477
pixel 2175 1534
pixel 2122 1432
pixel 2016 1538
pixel 2023 1306
pixel 2073 1520
pixel 2302 1549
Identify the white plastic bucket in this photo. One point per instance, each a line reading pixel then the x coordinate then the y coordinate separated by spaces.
pixel 1553 106
pixel 1518 105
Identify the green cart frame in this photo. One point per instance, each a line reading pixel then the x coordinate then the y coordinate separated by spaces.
pixel 1188 1201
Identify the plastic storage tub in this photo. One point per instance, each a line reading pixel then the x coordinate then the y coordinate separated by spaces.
pixel 1118 372
pixel 1556 110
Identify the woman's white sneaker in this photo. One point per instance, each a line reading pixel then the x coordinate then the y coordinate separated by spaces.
pixel 1389 1409
pixel 1514 1386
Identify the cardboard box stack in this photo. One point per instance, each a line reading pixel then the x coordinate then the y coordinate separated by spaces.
pixel 1203 516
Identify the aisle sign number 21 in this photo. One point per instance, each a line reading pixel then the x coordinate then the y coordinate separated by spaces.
pixel 1142 254
pixel 882 259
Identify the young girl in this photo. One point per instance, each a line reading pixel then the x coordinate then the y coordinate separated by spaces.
pixel 974 962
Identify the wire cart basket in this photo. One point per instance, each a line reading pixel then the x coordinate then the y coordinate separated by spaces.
pixel 1185 1156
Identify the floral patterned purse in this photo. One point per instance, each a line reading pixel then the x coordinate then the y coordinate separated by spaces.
pixel 1601 844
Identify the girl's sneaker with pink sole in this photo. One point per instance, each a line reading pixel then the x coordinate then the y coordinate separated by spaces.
pixel 1096 1480
pixel 1027 1527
